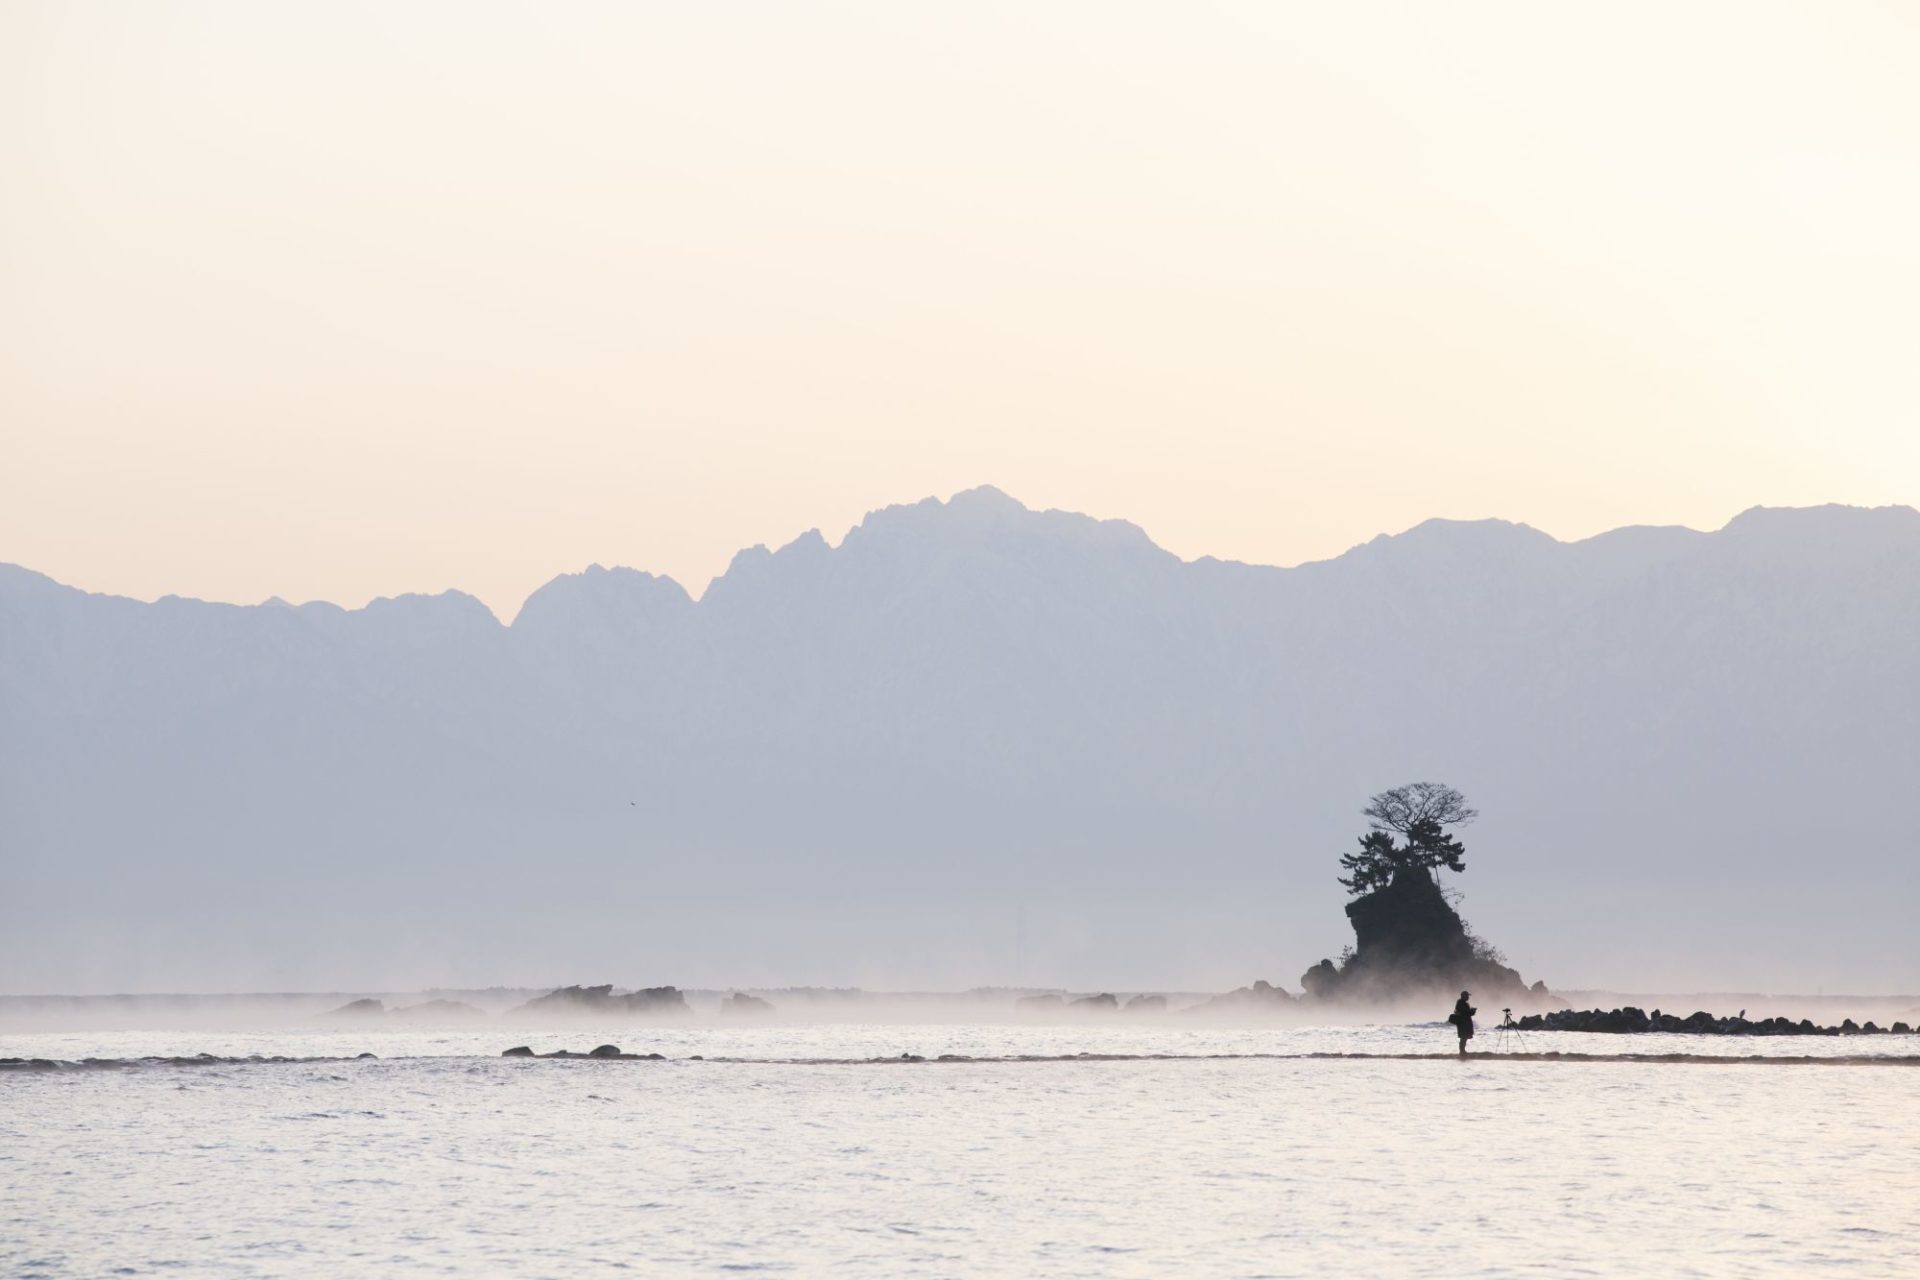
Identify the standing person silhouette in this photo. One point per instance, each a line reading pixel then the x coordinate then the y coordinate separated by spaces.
pixel 1462 1020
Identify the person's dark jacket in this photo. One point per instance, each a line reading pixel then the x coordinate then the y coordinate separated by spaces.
pixel 1463 1018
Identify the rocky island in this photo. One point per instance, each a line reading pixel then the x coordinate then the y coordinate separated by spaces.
pixel 1409 941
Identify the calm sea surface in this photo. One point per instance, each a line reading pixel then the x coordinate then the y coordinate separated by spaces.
pixel 441 1158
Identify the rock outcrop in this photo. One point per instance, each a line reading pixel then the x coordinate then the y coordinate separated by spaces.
pixel 740 1004
pixel 575 1001
pixel 1409 943
pixel 1262 996
pixel 359 1009
pixel 369 1009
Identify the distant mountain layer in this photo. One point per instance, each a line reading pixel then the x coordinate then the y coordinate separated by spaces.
pixel 978 743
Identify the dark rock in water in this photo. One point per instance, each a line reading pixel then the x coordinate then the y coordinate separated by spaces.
pixel 1901 1029
pixel 1619 1021
pixel 1849 1027
pixel 366 1055
pixel 1261 996
pixel 603 1053
pixel 367 1008
pixel 601 1000
pixel 1147 1004
pixel 911 1057
pixel 1096 1004
pixel 740 1003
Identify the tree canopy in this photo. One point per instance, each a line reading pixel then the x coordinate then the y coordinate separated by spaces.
pixel 1420 812
pixel 1402 808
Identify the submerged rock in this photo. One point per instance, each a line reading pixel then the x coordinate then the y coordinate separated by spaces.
pixel 604 1053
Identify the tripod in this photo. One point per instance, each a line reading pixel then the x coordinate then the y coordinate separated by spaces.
pixel 1507 1035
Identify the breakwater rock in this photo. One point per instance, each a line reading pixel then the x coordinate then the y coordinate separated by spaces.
pixel 1632 1021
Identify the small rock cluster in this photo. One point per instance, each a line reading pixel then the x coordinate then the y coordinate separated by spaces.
pixel 605 1051
pixel 369 1009
pixel 1104 1002
pixel 1261 995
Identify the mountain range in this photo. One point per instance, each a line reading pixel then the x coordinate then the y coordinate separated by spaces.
pixel 980 744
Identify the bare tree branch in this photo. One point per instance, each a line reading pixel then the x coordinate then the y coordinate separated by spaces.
pixel 1401 808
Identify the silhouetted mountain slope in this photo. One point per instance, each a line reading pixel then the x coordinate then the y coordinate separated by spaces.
pixel 856 763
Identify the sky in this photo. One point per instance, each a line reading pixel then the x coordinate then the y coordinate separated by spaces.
pixel 343 300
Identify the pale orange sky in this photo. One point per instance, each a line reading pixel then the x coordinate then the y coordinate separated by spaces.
pixel 338 300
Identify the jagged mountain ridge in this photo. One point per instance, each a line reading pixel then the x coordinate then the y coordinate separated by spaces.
pixel 857 763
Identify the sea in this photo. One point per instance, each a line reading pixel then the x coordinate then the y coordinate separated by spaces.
pixel 986 1150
